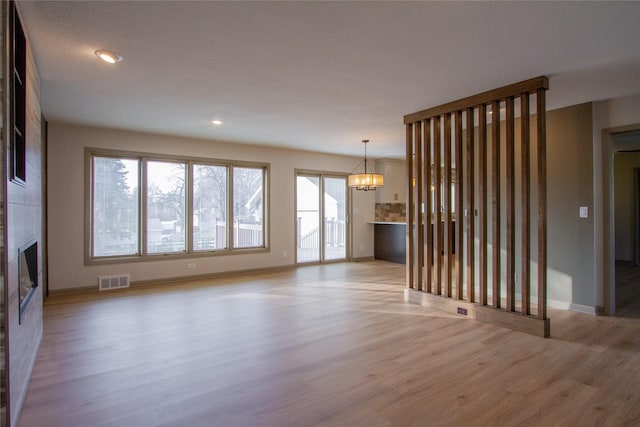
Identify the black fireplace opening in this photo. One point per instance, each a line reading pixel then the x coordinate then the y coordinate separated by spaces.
pixel 28 275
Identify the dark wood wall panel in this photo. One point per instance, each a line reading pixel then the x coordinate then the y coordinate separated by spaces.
pixel 450 202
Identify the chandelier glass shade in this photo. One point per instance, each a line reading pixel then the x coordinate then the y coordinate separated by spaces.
pixel 367 180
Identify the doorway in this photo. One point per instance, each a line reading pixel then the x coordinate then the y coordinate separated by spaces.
pixel 321 217
pixel 624 222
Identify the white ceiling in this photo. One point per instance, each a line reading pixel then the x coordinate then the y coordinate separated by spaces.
pixel 320 76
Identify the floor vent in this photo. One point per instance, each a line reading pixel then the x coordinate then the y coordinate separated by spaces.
pixel 113 282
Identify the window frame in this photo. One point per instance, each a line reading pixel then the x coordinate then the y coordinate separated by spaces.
pixel 143 255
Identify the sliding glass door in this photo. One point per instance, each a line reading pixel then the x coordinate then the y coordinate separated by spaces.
pixel 308 218
pixel 321 214
pixel 334 203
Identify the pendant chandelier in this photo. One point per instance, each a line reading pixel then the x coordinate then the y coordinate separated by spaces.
pixel 365 181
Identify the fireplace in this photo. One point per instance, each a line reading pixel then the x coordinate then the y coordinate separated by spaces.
pixel 28 274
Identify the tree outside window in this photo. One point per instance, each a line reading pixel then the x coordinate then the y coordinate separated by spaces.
pixel 115 207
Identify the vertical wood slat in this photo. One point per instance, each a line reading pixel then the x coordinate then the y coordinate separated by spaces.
pixel 437 231
pixel 459 208
pixel 511 207
pixel 470 207
pixel 417 143
pixel 409 209
pixel 472 241
pixel 482 203
pixel 446 187
pixel 525 215
pixel 496 275
pixel 428 207
pixel 542 203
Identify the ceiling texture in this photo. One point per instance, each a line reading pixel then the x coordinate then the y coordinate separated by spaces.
pixel 317 76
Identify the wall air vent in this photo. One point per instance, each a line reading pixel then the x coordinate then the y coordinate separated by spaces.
pixel 106 283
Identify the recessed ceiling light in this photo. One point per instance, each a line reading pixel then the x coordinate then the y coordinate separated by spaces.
pixel 109 56
pixel 216 122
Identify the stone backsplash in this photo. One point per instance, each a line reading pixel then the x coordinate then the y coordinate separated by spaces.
pixel 391 212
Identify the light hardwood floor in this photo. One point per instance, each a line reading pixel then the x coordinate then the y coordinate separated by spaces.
pixel 330 345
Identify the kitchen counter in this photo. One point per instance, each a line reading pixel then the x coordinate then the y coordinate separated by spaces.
pixel 390 240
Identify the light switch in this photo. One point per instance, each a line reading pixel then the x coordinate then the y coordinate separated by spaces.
pixel 584 212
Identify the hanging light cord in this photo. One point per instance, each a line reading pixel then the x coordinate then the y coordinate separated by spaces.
pixel 365 155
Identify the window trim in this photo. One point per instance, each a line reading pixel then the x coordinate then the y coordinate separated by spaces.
pixel 143 256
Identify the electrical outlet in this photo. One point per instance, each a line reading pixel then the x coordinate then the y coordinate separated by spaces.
pixel 284 254
pixel 462 311
pixel 191 265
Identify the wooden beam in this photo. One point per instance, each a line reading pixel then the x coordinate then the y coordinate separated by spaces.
pixel 446 187
pixel 459 243
pixel 542 203
pixel 417 143
pixel 482 203
pixel 526 86
pixel 496 275
pixel 525 208
pixel 470 206
pixel 437 221
pixel 409 201
pixel 511 206
pixel 428 207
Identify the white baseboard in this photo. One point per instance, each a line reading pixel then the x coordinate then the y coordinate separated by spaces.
pixel 563 305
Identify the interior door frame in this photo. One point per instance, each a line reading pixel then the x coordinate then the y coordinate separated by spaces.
pixel 608 217
pixel 348 232
pixel 636 216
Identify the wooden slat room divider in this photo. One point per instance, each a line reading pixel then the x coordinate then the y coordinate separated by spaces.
pixel 462 205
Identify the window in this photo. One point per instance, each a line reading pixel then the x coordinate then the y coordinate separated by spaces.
pixel 143 206
pixel 209 207
pixel 115 206
pixel 247 207
pixel 166 203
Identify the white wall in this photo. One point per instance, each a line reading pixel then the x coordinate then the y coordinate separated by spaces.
pixel 569 187
pixel 66 201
